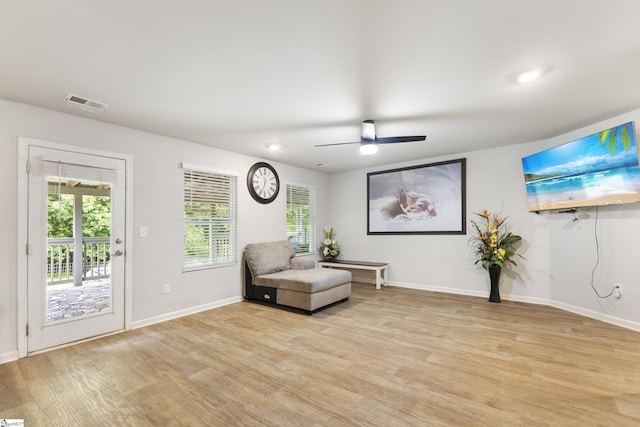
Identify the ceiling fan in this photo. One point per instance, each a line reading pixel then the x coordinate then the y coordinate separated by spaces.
pixel 369 141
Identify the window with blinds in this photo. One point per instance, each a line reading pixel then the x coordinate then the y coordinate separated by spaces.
pixel 301 217
pixel 209 219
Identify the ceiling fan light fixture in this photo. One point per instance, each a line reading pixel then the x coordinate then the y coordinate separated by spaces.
pixel 368 149
pixel 369 141
pixel 368 130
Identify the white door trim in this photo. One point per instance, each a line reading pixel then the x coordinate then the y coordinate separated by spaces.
pixel 22 238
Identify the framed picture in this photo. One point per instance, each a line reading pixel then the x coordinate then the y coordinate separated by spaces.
pixel 424 199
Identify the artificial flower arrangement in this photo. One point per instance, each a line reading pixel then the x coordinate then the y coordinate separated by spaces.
pixel 329 249
pixel 494 244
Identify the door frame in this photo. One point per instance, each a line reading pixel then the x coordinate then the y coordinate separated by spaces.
pixel 22 231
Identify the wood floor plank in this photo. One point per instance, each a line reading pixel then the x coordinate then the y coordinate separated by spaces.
pixel 387 357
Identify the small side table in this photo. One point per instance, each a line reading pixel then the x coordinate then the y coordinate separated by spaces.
pixel 380 269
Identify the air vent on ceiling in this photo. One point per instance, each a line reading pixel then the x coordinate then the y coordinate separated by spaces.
pixel 84 103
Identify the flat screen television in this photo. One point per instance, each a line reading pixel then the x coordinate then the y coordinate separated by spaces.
pixel 599 169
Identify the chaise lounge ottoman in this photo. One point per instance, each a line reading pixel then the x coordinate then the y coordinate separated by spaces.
pixel 274 275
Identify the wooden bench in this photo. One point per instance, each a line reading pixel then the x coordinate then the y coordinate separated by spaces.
pixel 379 268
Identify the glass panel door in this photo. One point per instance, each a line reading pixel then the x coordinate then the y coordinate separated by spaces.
pixel 78 254
pixel 76 209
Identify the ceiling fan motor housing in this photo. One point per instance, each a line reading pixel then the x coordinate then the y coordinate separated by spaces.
pixel 368 131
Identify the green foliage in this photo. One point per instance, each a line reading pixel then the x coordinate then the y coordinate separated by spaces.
pixel 59 216
pixel 96 216
pixel 611 137
pixel 298 219
pixel 207 229
pixel 529 177
pixel 297 216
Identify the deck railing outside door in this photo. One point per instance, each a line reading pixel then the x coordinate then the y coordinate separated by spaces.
pixel 96 254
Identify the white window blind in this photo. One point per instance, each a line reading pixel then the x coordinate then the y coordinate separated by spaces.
pixel 209 219
pixel 301 217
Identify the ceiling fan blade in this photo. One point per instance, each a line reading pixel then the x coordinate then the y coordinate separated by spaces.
pixel 369 137
pixel 337 143
pixel 394 139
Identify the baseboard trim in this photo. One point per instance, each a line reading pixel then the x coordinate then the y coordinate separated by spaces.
pixel 11 356
pixel 431 288
pixel 181 313
pixel 531 300
pixel 479 294
pixel 627 324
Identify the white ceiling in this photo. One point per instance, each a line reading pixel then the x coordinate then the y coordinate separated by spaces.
pixel 242 74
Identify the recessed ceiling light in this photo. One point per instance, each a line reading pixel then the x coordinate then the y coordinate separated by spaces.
pixel 529 76
pixel 274 146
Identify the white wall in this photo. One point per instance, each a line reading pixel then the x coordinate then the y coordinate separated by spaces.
pixel 573 252
pixel 560 252
pixel 444 262
pixel 157 203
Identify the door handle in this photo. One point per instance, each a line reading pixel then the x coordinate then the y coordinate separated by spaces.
pixel 117 253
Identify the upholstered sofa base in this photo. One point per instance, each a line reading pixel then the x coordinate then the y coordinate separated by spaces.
pixel 274 276
pixel 312 302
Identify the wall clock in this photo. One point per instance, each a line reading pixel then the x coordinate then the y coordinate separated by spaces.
pixel 263 183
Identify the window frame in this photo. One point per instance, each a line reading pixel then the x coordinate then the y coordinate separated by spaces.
pixel 310 233
pixel 212 177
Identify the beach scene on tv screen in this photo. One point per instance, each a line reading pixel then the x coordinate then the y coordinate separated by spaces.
pixel 599 169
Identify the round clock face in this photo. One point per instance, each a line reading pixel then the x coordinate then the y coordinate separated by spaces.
pixel 263 182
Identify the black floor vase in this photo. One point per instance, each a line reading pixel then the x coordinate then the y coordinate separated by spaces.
pixel 494 276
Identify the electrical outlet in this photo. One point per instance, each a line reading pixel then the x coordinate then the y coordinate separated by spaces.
pixel 166 288
pixel 617 290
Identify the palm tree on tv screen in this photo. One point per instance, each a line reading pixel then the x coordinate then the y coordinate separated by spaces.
pixel 622 133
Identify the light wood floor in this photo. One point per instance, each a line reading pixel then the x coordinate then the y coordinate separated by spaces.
pixel 384 358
